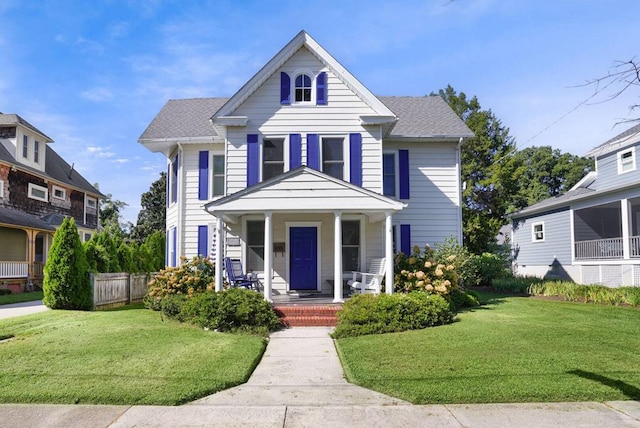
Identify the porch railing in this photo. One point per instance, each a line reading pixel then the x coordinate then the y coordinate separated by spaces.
pixel 14 269
pixel 610 248
pixel 634 242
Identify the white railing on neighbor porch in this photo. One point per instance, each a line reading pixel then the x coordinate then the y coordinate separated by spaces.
pixel 634 242
pixel 14 269
pixel 610 248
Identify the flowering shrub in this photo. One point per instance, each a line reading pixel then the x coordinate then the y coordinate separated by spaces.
pixel 194 276
pixel 420 271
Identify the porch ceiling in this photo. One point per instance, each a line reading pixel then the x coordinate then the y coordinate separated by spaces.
pixel 304 190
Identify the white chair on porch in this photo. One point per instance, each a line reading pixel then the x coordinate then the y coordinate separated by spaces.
pixel 371 281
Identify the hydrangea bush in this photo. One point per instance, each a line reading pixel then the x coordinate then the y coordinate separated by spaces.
pixel 422 271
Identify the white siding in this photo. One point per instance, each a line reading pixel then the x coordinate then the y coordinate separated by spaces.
pixel 340 117
pixel 433 209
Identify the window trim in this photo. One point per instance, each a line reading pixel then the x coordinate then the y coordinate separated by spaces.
pixel 621 163
pixel 88 207
pixel 245 241
pixel 173 179
pixel 1 189
pixel 396 168
pixel 534 237
pixel 292 90
pixel 36 151
pixel 285 152
pixel 212 175
pixel 363 242
pixel 346 156
pixel 54 188
pixel 38 198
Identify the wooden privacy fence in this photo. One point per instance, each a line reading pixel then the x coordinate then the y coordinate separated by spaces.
pixel 112 289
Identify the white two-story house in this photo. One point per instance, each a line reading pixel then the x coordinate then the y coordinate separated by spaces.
pixel 305 175
pixel 590 234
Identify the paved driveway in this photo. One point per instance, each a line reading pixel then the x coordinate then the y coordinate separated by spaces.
pixel 24 308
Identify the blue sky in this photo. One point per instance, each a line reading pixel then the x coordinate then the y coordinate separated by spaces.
pixel 93 74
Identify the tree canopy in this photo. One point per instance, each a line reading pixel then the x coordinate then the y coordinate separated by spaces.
pixel 152 216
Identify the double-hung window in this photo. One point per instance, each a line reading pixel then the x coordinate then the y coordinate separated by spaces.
pixel 173 180
pixel 272 157
pixel 218 175
pixel 537 232
pixel 25 146
pixel 389 174
pixel 255 245
pixel 626 161
pixel 303 88
pixel 1 189
pixel 36 151
pixel 333 157
pixel 350 245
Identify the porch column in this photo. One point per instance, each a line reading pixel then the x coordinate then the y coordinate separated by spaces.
pixel 219 247
pixel 388 253
pixel 626 235
pixel 31 251
pixel 268 253
pixel 337 257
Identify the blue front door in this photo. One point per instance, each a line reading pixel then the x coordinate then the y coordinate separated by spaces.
pixel 303 258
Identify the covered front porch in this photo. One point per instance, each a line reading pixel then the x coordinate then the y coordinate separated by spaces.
pixel 608 231
pixel 22 256
pixel 303 232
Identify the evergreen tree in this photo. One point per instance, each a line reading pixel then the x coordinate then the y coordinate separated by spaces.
pixel 66 281
pixel 151 217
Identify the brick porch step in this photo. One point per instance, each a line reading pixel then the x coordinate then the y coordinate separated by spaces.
pixel 308 315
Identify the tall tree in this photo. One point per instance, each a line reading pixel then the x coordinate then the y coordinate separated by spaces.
pixel 488 171
pixel 152 216
pixel 546 172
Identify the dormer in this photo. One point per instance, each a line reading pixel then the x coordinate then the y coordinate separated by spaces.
pixel 23 141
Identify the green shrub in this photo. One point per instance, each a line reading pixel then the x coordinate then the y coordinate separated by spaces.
pixel 420 271
pixel 369 314
pixel 4 291
pixel 465 266
pixel 235 310
pixel 463 299
pixel 192 277
pixel 587 293
pixel 489 267
pixel 515 284
pixel 66 281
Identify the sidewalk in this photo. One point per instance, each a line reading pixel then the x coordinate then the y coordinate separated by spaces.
pixel 24 308
pixel 299 383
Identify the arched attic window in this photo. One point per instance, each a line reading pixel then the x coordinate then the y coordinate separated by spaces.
pixel 303 88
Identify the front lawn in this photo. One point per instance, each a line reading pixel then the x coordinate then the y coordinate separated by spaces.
pixel 513 349
pixel 124 356
pixel 8 299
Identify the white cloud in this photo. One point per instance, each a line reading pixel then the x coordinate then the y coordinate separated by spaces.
pixel 119 29
pixel 97 94
pixel 89 46
pixel 120 160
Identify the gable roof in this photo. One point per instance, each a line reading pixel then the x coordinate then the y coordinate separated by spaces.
pixel 14 119
pixel 303 189
pixel 189 120
pixel 620 141
pixel 56 169
pixel 300 40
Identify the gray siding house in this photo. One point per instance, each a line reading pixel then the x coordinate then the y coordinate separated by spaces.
pixel 591 234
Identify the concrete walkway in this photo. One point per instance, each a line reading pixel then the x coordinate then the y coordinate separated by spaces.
pixel 24 308
pixel 299 383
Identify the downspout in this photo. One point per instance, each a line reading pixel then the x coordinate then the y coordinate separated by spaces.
pixel 459 180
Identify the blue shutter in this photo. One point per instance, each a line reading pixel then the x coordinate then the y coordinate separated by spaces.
pixel 167 242
pixel 321 89
pixel 403 166
pixel 295 151
pixel 253 160
pixel 203 238
pixel 355 159
pixel 405 238
pixel 174 258
pixel 285 89
pixel 203 175
pixel 167 189
pixel 313 151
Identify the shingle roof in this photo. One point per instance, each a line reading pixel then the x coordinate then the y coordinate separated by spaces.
pixel 56 169
pixel 621 140
pixel 417 117
pixel 185 118
pixel 19 218
pixel 556 201
pixel 427 116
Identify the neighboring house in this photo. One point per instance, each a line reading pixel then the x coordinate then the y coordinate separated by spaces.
pixel 590 234
pixel 37 190
pixel 307 175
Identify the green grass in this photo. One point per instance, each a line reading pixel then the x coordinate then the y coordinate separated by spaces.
pixel 513 349
pixel 20 297
pixel 125 356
